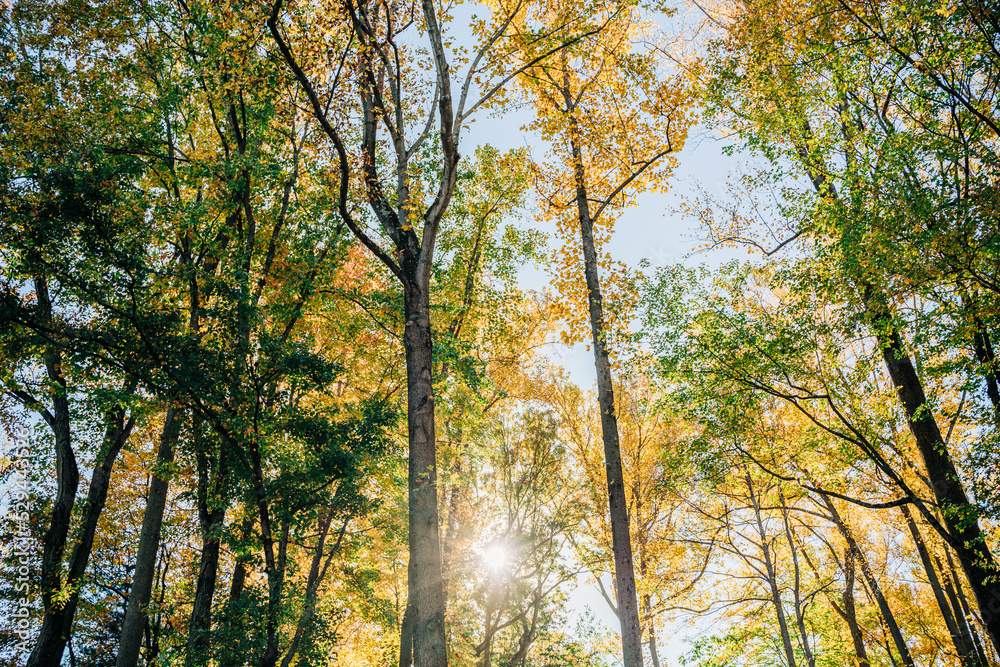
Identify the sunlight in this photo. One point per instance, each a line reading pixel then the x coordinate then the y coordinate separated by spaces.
pixel 495 557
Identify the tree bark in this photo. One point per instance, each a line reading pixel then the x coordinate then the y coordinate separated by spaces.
pixel 772 577
pixel 850 612
pixel 621 543
pixel 800 620
pixel 211 519
pixel 426 594
pixel 240 570
pixel 960 516
pixel 962 611
pixel 57 621
pixel 149 542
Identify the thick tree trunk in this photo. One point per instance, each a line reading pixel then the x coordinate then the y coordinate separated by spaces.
pixel 873 585
pixel 621 543
pixel 963 648
pixel 960 516
pixel 149 543
pixel 426 585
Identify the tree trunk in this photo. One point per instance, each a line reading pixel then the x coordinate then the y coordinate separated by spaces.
pixel 240 570
pixel 654 656
pixel 426 585
pixel 406 637
pixel 960 516
pixel 800 620
pixel 850 612
pixel 772 578
pixel 983 347
pixel 964 614
pixel 208 570
pixel 57 621
pixel 621 544
pixel 317 572
pixel 873 586
pixel 211 519
pixel 963 649
pixel 149 543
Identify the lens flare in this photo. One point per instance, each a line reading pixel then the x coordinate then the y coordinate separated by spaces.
pixel 495 557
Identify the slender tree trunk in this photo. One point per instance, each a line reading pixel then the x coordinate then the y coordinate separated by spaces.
pixel 772 577
pixel 873 585
pixel 149 544
pixel 960 516
pixel 654 656
pixel 850 612
pixel 426 584
pixel 240 570
pixel 800 620
pixel 628 607
pixel 963 649
pixel 273 562
pixel 983 347
pixel 212 519
pixel 488 642
pixel 317 572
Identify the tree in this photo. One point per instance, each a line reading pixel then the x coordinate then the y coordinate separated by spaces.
pixel 604 153
pixel 391 94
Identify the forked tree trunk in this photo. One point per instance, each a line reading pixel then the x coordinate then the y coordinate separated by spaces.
pixel 57 621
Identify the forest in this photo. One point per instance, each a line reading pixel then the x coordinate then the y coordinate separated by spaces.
pixel 291 290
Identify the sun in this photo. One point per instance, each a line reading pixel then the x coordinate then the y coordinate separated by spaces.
pixel 495 557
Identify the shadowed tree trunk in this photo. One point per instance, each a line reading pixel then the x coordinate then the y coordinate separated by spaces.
pixel 849 612
pixel 211 517
pixel 959 515
pixel 963 644
pixel 57 621
pixel 135 620
pixel 58 614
